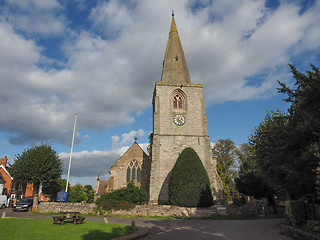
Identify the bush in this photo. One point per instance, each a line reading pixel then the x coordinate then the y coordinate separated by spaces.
pixel 122 199
pixel 189 184
pixel 313 225
pixel 296 212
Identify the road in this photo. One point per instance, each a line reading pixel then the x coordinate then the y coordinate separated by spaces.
pixel 184 229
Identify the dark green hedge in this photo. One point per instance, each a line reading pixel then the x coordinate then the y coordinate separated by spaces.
pixel 296 212
pixel 189 184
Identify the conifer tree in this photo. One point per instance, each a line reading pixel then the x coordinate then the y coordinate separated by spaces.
pixel 189 184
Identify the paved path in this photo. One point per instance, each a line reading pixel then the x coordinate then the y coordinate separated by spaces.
pixel 264 229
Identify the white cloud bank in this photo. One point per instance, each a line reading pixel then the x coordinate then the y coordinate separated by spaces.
pixel 109 64
pixel 86 166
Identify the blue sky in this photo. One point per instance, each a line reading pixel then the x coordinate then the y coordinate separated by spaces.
pixel 101 59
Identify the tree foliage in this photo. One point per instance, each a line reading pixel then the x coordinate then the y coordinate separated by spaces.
pixel 80 193
pixel 123 198
pixel 284 148
pixel 77 193
pixel 54 188
pixel 37 165
pixel 189 184
pixel 227 154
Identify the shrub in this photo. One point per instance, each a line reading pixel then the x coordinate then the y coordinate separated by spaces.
pixel 296 212
pixel 123 198
pixel 189 184
pixel 313 225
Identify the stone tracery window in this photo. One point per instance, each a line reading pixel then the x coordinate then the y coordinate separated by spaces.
pixel 133 172
pixel 179 99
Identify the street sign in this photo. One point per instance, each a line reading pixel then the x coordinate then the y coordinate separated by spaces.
pixel 62 196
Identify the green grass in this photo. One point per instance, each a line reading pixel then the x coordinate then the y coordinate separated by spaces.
pixel 22 228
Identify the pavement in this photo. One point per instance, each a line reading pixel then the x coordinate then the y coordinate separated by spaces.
pixel 152 228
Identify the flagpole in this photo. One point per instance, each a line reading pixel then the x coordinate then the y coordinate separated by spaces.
pixel 74 130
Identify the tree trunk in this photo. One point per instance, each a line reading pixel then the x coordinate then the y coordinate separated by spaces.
pixel 35 196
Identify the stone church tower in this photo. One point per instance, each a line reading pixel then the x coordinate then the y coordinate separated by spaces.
pixel 179 121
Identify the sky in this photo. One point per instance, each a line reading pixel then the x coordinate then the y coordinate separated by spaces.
pixel 101 59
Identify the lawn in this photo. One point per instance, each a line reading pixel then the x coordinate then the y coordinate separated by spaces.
pixel 22 228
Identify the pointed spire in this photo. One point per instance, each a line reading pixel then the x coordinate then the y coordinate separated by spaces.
pixel 175 69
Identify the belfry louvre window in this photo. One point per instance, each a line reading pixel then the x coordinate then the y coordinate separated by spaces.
pixel 133 172
pixel 179 99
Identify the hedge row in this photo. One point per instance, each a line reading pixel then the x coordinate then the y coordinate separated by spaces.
pixel 300 212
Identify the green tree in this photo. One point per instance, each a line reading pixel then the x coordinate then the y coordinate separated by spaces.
pixel 227 154
pixel 77 193
pixel 90 193
pixel 189 184
pixel 304 122
pixel 250 180
pixel 54 188
pixel 284 148
pixel 37 165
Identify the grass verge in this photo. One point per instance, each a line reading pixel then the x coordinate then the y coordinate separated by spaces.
pixel 20 228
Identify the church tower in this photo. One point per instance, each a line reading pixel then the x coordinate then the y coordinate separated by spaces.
pixel 179 121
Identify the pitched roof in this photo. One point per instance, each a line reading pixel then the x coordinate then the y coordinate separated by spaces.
pixel 6 171
pixel 175 69
pixel 133 151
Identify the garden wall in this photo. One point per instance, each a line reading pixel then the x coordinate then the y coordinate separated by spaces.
pixel 66 207
pixel 160 210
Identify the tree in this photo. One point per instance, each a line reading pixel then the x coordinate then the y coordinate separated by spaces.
pixel 227 154
pixel 54 188
pixel 189 184
pixel 77 193
pixel 90 193
pixel 305 120
pixel 250 180
pixel 284 148
pixel 37 165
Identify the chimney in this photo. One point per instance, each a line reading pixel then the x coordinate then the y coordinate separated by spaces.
pixel 3 161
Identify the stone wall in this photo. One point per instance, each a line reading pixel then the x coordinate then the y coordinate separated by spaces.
pixel 66 207
pixel 159 210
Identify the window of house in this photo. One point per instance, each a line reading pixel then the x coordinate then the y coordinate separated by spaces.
pixel 133 172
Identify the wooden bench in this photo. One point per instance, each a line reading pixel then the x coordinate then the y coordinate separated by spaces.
pixel 78 220
pixel 58 219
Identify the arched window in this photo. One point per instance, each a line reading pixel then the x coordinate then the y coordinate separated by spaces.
pixel 179 99
pixel 133 172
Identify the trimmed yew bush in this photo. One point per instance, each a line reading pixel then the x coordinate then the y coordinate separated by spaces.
pixel 189 184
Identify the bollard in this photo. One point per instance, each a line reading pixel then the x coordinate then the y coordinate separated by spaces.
pixel 105 220
pixel 4 215
pixel 133 226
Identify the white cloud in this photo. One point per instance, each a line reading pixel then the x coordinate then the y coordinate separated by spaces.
pixel 87 164
pixel 127 138
pixel 36 16
pixel 111 65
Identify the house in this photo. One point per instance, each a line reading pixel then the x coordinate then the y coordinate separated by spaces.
pixel 6 181
pixel 12 189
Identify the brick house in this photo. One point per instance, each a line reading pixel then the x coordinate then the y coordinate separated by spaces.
pixel 13 190
pixel 6 181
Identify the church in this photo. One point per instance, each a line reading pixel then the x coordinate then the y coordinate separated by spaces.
pixel 179 121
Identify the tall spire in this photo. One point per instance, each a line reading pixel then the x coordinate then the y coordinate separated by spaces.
pixel 175 69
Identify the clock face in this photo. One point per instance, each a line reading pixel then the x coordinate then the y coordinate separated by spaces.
pixel 179 119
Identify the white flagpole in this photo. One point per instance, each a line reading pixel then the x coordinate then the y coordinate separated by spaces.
pixel 74 130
